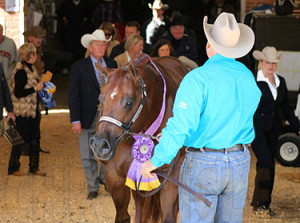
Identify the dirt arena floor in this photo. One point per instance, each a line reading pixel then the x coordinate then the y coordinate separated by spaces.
pixel 60 197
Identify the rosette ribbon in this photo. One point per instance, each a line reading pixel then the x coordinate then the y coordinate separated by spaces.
pixel 46 94
pixel 141 152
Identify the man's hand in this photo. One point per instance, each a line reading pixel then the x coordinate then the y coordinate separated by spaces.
pixel 11 116
pixel 147 168
pixel 76 127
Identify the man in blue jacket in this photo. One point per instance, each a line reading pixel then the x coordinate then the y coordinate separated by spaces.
pixel 5 99
pixel 213 117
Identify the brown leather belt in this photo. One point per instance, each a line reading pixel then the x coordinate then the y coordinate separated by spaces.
pixel 237 147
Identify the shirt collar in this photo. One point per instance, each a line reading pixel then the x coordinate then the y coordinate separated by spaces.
pixel 128 57
pixel 94 60
pixel 218 57
pixel 261 77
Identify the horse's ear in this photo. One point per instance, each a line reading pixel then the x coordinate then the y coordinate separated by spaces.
pixel 131 69
pixel 103 70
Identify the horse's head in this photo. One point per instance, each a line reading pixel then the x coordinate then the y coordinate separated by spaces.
pixel 121 101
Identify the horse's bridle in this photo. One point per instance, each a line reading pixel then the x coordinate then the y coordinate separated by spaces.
pixel 126 126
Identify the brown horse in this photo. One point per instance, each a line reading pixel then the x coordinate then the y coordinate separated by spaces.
pixel 132 99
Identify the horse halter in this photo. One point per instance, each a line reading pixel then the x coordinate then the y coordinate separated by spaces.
pixel 126 126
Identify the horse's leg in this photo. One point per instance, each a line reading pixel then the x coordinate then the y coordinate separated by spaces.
pixel 169 202
pixel 120 194
pixel 139 202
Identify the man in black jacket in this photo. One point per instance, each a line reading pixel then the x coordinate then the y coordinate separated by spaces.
pixel 84 89
pixel 5 99
pixel 184 43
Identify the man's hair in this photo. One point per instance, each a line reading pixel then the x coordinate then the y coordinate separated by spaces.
pixel 25 50
pixel 135 24
pixel 132 40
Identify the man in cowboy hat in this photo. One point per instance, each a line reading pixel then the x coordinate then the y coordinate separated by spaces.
pixel 182 39
pixel 213 117
pixel 84 89
pixel 154 27
pixel 35 35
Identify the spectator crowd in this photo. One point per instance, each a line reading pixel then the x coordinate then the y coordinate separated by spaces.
pixel 105 37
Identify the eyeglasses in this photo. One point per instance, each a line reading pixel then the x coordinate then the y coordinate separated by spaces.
pixel 108 34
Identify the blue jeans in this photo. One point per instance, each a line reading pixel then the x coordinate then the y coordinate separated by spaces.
pixel 222 178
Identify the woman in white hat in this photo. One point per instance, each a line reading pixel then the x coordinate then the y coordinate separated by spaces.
pixel 267 124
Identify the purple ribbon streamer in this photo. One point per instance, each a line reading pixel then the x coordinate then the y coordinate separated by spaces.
pixel 143 146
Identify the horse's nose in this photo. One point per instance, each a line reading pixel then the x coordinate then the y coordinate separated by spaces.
pixel 100 147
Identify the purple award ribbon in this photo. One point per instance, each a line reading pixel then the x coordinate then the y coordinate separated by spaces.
pixel 141 152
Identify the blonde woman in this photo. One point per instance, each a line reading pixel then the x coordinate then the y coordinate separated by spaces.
pixel 133 47
pixel 24 86
pixel 267 124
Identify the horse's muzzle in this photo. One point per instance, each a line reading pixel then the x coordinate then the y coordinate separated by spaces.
pixel 101 148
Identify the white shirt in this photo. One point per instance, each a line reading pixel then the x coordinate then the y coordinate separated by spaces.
pixel 151 28
pixel 273 89
pixel 128 57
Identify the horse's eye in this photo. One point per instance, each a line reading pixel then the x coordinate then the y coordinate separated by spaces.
pixel 129 104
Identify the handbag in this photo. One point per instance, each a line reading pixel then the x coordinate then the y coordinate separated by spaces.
pixel 12 135
pixel 15 139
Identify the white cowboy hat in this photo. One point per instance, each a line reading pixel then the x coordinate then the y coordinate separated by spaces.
pixel 227 37
pixel 98 34
pixel 268 54
pixel 157 4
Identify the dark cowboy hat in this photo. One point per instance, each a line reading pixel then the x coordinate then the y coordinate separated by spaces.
pixel 177 20
pixel 35 31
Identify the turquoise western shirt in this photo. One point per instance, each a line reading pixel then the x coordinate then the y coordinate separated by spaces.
pixel 214 108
